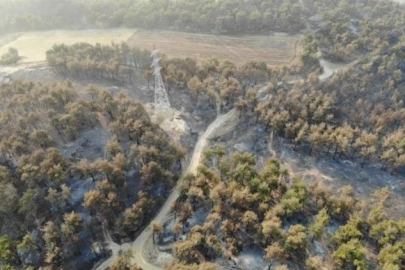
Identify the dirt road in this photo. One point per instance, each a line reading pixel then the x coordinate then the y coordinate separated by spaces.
pixel 222 122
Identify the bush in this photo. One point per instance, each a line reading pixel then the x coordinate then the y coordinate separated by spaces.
pixel 10 58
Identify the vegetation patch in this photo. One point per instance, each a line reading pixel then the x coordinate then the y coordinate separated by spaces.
pixel 62 183
pixel 10 58
pixel 294 224
pixel 226 17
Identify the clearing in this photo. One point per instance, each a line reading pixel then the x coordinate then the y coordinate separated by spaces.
pixel 276 49
pixel 32 46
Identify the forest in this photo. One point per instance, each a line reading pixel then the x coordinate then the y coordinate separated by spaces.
pixel 45 218
pixel 287 218
pixel 225 17
pixel 80 161
pixel 332 118
pixel 366 27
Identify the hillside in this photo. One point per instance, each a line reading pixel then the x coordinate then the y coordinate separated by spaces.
pixel 276 150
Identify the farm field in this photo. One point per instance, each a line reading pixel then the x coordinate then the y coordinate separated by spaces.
pixel 274 49
pixel 33 45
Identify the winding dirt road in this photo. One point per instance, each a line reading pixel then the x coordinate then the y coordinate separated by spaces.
pixel 222 122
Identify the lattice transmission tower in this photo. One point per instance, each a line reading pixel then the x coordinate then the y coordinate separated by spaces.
pixel 162 103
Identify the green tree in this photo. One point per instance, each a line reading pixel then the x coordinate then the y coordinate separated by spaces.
pixel 8 198
pixel 351 255
pixel 348 232
pixel 8 252
pixel 392 256
pixel 30 201
pixel 319 224
pixel 388 231
pixel 275 252
pixel 296 239
pixel 28 244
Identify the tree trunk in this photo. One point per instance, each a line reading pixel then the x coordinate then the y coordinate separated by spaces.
pixel 336 148
pixel 339 156
pixel 295 145
pixel 353 153
pixel 270 265
pixel 328 149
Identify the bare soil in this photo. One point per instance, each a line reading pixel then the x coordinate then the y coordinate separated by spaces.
pixel 32 46
pixel 276 49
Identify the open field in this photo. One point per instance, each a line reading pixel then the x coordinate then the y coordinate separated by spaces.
pixel 33 45
pixel 273 49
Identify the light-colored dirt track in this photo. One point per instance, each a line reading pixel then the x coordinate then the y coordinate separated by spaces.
pixel 222 122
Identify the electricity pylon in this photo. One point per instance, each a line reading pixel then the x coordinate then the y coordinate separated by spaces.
pixel 162 103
